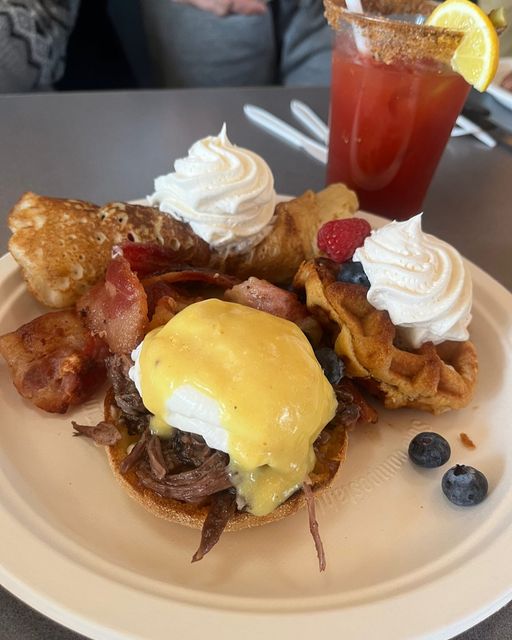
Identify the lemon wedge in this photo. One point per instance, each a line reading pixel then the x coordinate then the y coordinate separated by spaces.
pixel 477 56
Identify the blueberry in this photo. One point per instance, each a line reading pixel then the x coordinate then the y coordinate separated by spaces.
pixel 464 485
pixel 353 273
pixel 331 364
pixel 429 450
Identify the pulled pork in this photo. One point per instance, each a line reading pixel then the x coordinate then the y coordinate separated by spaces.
pixel 134 414
pixel 103 433
pixel 222 508
pixel 192 485
pixel 183 467
pixel 313 525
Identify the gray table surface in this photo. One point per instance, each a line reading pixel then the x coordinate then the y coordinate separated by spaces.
pixel 109 146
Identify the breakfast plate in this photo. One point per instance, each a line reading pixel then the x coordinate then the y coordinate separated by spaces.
pixel 400 557
pixel 502 95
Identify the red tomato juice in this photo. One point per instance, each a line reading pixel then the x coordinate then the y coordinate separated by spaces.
pixel 389 126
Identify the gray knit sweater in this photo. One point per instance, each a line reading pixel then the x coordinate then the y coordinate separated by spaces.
pixel 33 39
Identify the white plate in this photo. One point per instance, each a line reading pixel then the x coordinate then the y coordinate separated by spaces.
pixel 495 89
pixel 402 562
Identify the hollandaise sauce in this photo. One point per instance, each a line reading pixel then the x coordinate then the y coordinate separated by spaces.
pixel 249 383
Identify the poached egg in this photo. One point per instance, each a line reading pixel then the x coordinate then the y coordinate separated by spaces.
pixel 249 383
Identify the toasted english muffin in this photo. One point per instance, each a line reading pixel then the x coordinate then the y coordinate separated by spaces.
pixel 64 246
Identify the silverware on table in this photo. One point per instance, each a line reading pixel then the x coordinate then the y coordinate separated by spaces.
pixel 497 133
pixel 502 137
pixel 283 130
pixel 468 127
pixel 315 125
pixel 310 120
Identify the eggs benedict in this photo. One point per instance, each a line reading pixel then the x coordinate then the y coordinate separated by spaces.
pixel 246 381
pixel 241 392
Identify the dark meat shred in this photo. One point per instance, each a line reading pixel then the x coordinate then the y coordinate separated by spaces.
pixel 136 454
pixel 136 424
pixel 348 414
pixel 347 411
pixel 193 485
pixel 313 525
pixel 190 448
pixel 126 395
pixel 222 508
pixel 103 433
pixel 172 461
pixel 156 457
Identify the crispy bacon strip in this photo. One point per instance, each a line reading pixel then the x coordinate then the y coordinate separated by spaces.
pixel 186 274
pixel 165 300
pixel 117 308
pixel 222 508
pixel 262 295
pixel 167 294
pixel 165 309
pixel 54 360
pixel 148 257
pixel 157 291
pixel 313 525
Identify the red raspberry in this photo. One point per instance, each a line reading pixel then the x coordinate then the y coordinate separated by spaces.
pixel 340 238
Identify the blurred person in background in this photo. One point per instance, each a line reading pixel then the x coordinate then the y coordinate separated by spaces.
pixel 113 44
pixel 33 41
pixel 201 43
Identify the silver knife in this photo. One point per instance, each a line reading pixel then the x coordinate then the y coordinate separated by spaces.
pixel 283 130
pixel 310 120
pixel 492 129
pixel 473 129
pixel 502 137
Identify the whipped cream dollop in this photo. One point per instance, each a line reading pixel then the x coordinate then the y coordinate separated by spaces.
pixel 226 193
pixel 419 280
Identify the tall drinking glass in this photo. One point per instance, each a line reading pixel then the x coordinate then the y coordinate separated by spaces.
pixel 394 101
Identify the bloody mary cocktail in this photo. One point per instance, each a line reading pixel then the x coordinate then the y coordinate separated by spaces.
pixel 394 101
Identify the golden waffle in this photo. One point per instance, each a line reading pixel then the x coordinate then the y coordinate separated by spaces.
pixel 432 378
